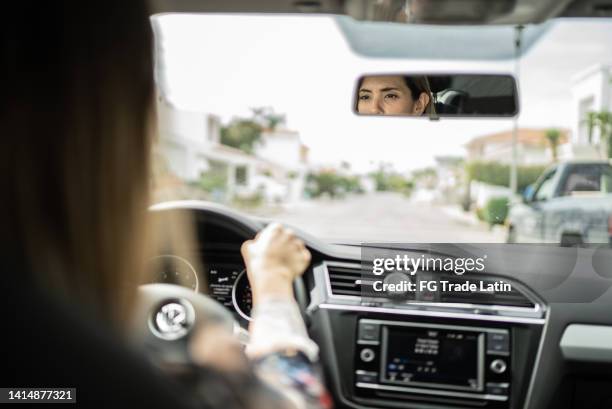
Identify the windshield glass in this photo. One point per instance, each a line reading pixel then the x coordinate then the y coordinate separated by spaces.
pixel 256 112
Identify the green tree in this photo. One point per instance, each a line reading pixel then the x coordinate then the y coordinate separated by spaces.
pixel 331 183
pixel 590 120
pixel 242 134
pixel 425 173
pixel 554 136
pixel 267 118
pixel 388 180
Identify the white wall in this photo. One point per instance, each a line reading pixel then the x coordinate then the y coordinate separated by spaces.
pixel 527 155
pixel 591 91
pixel 284 148
pixel 281 147
pixel 185 136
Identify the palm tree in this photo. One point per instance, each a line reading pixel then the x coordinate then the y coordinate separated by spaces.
pixel 605 130
pixel 591 122
pixel 553 136
pixel 602 121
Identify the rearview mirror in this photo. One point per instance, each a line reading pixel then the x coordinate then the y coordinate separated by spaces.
pixel 436 95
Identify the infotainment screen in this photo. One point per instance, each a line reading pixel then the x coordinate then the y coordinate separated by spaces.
pixel 433 357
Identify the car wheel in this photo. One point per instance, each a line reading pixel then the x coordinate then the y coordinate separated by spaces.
pixel 571 240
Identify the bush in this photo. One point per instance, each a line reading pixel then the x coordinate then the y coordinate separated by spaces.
pixel 332 184
pixel 397 183
pixel 213 180
pixel 496 210
pixel 392 182
pixel 480 214
pixel 498 174
pixel 249 202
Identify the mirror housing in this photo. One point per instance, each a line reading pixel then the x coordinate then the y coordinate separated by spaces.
pixel 437 95
pixel 527 195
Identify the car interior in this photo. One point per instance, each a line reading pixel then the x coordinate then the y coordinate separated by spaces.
pixel 533 352
pixel 545 344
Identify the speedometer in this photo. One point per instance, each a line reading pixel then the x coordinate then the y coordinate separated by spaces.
pixel 242 297
pixel 170 269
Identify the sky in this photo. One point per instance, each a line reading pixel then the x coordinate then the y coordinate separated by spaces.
pixel 303 67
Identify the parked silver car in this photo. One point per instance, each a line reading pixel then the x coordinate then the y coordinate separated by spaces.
pixel 570 204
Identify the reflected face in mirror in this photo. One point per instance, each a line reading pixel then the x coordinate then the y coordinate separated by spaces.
pixel 392 95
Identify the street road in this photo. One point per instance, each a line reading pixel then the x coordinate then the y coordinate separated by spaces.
pixel 386 217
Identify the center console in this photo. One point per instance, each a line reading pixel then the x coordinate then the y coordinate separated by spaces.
pixel 384 353
pixel 432 360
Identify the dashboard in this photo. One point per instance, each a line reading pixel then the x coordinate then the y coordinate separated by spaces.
pixel 221 275
pixel 229 285
pixel 522 349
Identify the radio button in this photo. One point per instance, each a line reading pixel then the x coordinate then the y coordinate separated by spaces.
pixel 497 388
pixel 498 366
pixel 367 355
pixel 368 332
pixel 498 343
pixel 366 377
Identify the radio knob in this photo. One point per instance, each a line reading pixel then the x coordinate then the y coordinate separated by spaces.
pixel 367 355
pixel 498 366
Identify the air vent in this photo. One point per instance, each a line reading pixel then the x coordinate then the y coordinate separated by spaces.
pixel 513 298
pixel 348 280
pixel 344 280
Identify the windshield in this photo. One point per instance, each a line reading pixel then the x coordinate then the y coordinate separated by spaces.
pixel 255 112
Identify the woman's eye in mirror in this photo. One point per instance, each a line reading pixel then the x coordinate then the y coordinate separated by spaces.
pixel 437 95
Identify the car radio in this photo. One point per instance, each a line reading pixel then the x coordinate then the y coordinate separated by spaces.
pixel 424 359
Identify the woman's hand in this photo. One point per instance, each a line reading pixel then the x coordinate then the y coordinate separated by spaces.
pixel 273 260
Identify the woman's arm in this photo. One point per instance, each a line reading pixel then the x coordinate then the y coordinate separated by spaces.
pixel 286 360
pixel 282 370
pixel 284 356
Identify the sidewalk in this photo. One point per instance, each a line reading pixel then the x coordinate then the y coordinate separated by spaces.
pixel 456 213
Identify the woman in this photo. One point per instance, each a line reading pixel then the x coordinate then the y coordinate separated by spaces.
pixel 394 95
pixel 76 123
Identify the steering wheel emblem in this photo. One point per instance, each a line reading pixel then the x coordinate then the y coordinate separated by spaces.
pixel 173 320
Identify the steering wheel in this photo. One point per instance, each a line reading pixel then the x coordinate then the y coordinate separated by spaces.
pixel 166 316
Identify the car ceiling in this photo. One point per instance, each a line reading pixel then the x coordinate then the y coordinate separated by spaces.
pixel 488 11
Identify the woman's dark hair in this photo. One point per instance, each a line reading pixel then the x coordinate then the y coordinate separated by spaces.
pixel 74 121
pixel 419 85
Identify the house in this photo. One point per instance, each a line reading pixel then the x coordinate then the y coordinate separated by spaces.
pixel 533 148
pixel 190 146
pixel 284 149
pixel 591 92
pixel 183 137
pixel 189 141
